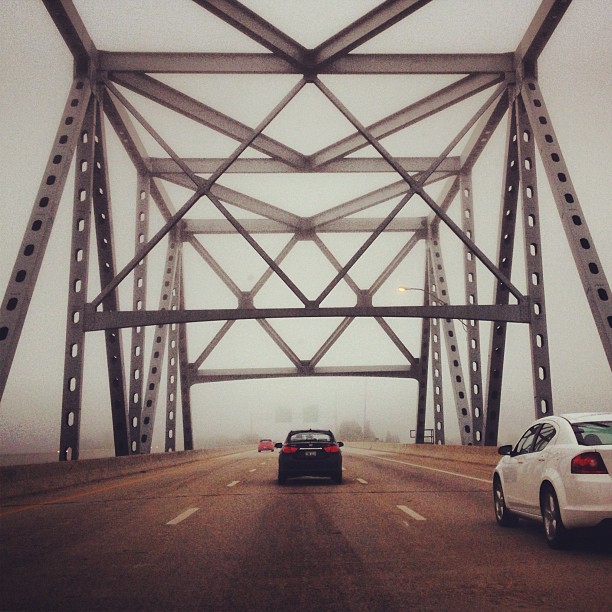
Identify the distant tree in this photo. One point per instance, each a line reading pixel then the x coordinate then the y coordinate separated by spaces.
pixel 392 438
pixel 368 433
pixel 224 440
pixel 350 430
pixel 248 438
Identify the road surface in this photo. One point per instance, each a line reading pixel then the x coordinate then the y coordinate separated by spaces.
pixel 220 534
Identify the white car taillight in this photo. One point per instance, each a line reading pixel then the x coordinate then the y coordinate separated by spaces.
pixel 588 463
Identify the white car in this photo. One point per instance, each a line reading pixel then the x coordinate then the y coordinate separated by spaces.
pixel 557 473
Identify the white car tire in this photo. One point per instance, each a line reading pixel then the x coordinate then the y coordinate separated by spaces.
pixel 503 516
pixel 554 530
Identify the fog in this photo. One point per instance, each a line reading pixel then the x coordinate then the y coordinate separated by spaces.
pixel 36 76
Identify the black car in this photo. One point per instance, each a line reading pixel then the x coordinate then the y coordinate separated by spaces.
pixel 310 452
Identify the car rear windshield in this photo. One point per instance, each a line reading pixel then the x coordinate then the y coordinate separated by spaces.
pixel 593 433
pixel 307 436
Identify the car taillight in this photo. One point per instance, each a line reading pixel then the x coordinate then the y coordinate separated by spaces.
pixel 290 449
pixel 332 448
pixel 588 463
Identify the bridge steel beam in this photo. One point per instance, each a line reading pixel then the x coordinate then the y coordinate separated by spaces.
pixel 471 297
pixel 167 299
pixel 103 222
pixel 584 251
pixel 38 230
pixel 108 88
pixel 183 353
pixel 423 363
pixel 139 302
pixel 534 269
pixel 437 369
pixel 77 286
pixel 505 254
pixel 172 369
pixel 440 295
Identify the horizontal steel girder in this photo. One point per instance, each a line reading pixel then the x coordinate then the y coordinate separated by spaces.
pixel 518 313
pixel 270 226
pixel 163 166
pixel 392 371
pixel 266 63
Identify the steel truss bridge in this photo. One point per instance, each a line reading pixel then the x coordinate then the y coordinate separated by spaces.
pixel 108 91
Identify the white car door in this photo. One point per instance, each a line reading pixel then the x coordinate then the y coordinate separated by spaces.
pixel 533 468
pixel 516 464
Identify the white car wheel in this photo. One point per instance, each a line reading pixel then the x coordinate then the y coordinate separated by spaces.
pixel 554 530
pixel 503 516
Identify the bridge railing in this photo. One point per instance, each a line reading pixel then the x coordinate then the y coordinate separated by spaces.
pixel 16 480
pixel 482 455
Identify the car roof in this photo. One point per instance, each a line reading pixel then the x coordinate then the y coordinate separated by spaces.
pixel 583 417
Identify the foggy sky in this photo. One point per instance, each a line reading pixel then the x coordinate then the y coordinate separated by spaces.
pixel 576 80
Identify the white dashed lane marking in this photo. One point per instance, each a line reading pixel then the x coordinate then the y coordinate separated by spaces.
pixel 362 481
pixel 182 516
pixel 233 483
pixel 415 515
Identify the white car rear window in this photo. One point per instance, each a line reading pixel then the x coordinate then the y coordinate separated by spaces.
pixel 593 433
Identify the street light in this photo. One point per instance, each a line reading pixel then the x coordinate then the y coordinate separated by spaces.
pixel 403 289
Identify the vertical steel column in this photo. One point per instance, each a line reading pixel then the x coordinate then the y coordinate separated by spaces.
pixel 171 389
pixel 139 301
pixel 447 326
pixel 77 289
pixel 36 236
pixel 436 373
pixel 107 266
pixel 534 271
pixel 505 254
pixel 173 368
pixel 423 361
pixel 471 297
pixel 184 366
pixel 158 349
pixel 588 264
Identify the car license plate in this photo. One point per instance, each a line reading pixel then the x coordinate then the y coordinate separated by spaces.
pixel 310 453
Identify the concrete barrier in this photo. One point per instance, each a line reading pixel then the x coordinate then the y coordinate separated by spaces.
pixel 36 478
pixel 18 480
pixel 483 455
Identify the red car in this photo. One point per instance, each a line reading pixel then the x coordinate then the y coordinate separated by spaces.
pixel 265 445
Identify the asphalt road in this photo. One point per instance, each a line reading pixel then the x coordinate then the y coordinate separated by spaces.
pixel 221 534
